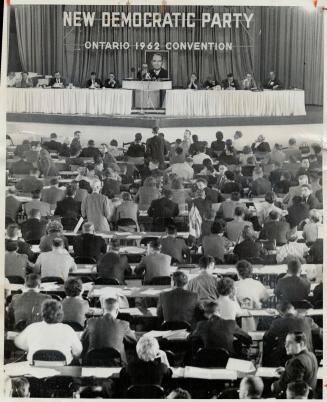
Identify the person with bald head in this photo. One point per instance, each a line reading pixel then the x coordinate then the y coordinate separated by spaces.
pixel 251 387
pixel 88 244
pixel 96 208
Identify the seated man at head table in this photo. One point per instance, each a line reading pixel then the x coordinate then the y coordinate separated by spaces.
pixel 179 304
pixel 88 244
pixel 73 305
pixel 93 82
pixel 57 81
pixel 216 332
pixel 52 194
pixel 272 82
pixel 113 265
pixel 21 166
pixel 292 287
pixel 36 203
pixel 248 83
pixel 50 334
pixel 14 234
pixel 12 205
pixel 194 83
pixel 25 81
pixel 276 228
pixel 112 82
pixel 26 307
pixel 174 246
pixel 251 387
pixel 57 262
pixel 205 284
pixel 157 72
pixel 230 83
pixel 289 321
pixel 154 264
pixel 34 227
pixel 31 182
pixel 15 264
pixel 301 366
pixel 211 84
pixel 107 331
pixel 297 390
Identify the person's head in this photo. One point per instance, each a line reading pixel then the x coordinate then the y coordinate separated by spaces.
pixel 20 387
pixel 147 348
pixel 179 393
pixel 77 134
pixel 11 246
pixel 111 307
pixel 294 266
pixel 57 243
pixel 244 269
pixel 138 137
pixel 238 134
pixel 155 130
pixel 114 143
pixel 292 142
pixel 13 231
pixel 246 150
pixel 248 233
pixel 251 160
pixel 297 200
pixel 144 67
pixel 114 245
pixel 285 307
pixel 295 342
pixel 239 212
pixel 156 61
pixel 52 312
pixel 273 215
pixel 303 179
pixel 126 196
pixel 36 194
pixel 96 186
pixel 187 134
pixel 206 262
pixel 297 390
pixel 200 194
pixel 103 148
pixel 54 182
pixel 34 214
pixel 230 77
pixel 155 245
pixel 305 163
pixel 226 287
pixel 73 287
pixel 202 148
pixel 218 227
pixel 257 172
pixel 272 75
pixel 32 281
pixel 211 308
pixel 316 148
pixel 171 230
pixel 177 183
pixel 167 194
pixel 251 387
pixel 201 183
pixel 71 190
pixel 111 76
pixel 54 227
pixel 57 75
pixel 150 182
pixel 229 175
pixel 88 227
pixel 99 165
pixel 53 136
pixel 314 216
pixel 194 77
pixel 24 75
pixel 219 135
pixel 180 279
pixel 306 190
pixel 93 75
pixel 91 143
pixel 270 197
pixel 235 196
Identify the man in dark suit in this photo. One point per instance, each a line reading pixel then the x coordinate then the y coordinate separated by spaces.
pixel 69 209
pixel 53 145
pixel 173 246
pixel 272 82
pixel 13 234
pixel 27 305
pixel 217 333
pixel 91 151
pixel 53 194
pixel 260 145
pixel 107 331
pixel 178 304
pixel 13 205
pixel 88 244
pixel 230 83
pixel 292 287
pixel 157 72
pixel 33 228
pixel 289 321
pixel 94 82
pixel 57 81
pixel 156 148
pixel 163 208
pixel 112 265
pixel 302 365
pixel 275 229
pixel 112 82
pixel 30 183
pixel 308 198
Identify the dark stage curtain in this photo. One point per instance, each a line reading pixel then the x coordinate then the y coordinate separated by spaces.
pixel 288 40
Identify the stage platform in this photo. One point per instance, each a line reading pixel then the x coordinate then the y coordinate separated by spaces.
pixel 148 120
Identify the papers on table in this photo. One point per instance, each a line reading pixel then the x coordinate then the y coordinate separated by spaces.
pixel 48 286
pixel 203 373
pixel 14 287
pixel 270 312
pixel 100 372
pixel 153 311
pixel 132 250
pixel 87 286
pixel 179 334
pixel 150 292
pixel 312 311
pixel 10 335
pixel 242 367
pixel 256 335
pixel 269 372
pixel 24 368
pixel 132 311
pixel 108 292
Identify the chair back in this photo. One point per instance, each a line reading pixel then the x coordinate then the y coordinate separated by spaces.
pixel 81 259
pixel 160 280
pixel 302 304
pixel 174 325
pixel 106 281
pixel 146 240
pixel 145 391
pixel 57 279
pixel 211 357
pixel 16 279
pixel 42 358
pixel 59 386
pixel 20 326
pixel 104 357
pixel 75 325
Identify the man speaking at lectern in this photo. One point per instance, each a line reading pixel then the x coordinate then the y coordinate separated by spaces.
pixel 157 72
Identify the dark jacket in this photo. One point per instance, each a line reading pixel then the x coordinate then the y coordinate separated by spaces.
pixel 109 84
pixel 292 288
pixel 163 208
pixel 213 196
pixel 156 149
pixel 114 266
pixel 262 147
pixel 29 184
pixel 33 229
pixel 249 249
pixel 234 84
pixel 54 146
pixel 275 230
pixel 269 83
pixel 174 247
pixel 21 167
pixel 177 305
pixel 13 206
pixel 97 80
pixel 163 73
pixel 90 152
pixel 136 150
pixel 297 214
pixel 107 332
pixel 89 245
pixel 68 208
pixel 23 248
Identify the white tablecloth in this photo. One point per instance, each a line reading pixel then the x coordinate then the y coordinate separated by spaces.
pixel 69 101
pixel 187 102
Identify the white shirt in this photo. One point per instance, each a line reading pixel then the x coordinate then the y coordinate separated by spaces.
pixel 199 158
pixel 54 263
pixel 183 170
pixel 228 309
pixel 41 335
pixel 291 249
pixel 249 288
pixel 239 144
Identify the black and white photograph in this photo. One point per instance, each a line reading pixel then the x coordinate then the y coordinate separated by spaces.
pixel 163 196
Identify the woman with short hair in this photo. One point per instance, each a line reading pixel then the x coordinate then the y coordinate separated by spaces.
pixel 73 305
pixel 54 229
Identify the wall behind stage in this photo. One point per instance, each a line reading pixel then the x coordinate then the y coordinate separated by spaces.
pixel 274 134
pixel 288 40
